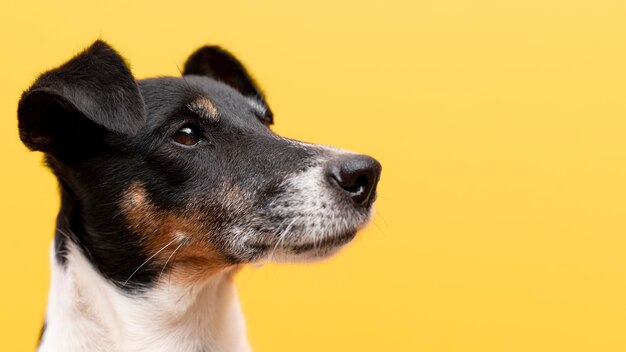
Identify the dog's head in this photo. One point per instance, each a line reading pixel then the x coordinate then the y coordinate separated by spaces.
pixel 183 175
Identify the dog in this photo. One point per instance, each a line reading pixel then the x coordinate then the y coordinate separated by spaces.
pixel 168 186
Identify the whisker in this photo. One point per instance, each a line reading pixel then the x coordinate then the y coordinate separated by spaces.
pixel 114 202
pixel 378 214
pixel 170 257
pixel 279 236
pixel 282 237
pixel 147 260
pixel 375 223
pixel 181 73
pixel 118 213
pixel 69 237
pixel 272 253
pixel 64 233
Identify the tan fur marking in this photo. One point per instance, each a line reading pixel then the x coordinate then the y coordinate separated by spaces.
pixel 204 107
pixel 180 238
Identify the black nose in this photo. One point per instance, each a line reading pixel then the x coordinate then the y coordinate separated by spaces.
pixel 357 176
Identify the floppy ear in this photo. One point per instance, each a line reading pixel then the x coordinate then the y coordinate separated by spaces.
pixel 219 64
pixel 92 93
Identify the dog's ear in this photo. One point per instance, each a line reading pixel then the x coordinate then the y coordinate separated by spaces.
pixel 219 64
pixel 92 93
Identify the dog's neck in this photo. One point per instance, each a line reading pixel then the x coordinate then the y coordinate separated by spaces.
pixel 86 312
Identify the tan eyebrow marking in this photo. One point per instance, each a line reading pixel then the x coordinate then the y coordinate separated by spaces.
pixel 204 108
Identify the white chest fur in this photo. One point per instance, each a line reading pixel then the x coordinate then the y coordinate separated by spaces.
pixel 87 313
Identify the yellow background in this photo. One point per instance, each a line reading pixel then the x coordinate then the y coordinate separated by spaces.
pixel 501 126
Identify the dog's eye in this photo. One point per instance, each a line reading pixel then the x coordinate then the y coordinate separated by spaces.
pixel 186 135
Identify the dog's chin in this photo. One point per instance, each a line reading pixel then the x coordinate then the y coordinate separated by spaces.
pixel 306 249
pixel 313 250
pixel 306 243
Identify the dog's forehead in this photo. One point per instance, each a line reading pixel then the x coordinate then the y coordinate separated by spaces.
pixel 203 96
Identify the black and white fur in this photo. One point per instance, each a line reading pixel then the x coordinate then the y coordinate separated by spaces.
pixel 168 186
